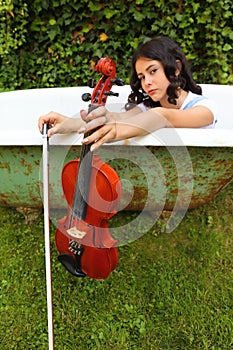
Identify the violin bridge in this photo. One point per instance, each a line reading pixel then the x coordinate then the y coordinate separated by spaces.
pixel 76 233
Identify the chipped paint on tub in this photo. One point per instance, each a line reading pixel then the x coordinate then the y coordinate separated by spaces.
pixel 156 189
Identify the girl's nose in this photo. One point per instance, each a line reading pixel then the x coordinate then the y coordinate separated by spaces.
pixel 147 79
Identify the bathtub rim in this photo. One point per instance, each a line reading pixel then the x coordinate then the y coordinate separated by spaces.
pixel 29 134
pixel 163 137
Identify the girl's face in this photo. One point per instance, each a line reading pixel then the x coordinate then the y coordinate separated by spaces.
pixel 153 79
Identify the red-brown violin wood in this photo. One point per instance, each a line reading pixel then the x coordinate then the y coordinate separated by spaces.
pixel 92 190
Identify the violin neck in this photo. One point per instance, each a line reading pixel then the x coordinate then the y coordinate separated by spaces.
pixel 81 193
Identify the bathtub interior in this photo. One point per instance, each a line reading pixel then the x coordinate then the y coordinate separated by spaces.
pixel 19 112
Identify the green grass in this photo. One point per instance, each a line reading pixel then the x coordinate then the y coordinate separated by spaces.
pixel 170 291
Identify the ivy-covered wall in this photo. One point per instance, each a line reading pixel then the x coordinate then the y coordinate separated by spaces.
pixel 58 42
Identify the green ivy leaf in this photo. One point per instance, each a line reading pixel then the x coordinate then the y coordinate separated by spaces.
pixel 138 16
pixel 227 47
pixel 72 31
pixel 94 7
pixel 52 22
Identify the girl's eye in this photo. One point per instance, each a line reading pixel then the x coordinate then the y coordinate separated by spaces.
pixel 141 77
pixel 153 71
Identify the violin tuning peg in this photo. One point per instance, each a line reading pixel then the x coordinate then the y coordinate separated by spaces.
pixel 111 93
pixel 91 83
pixel 86 97
pixel 118 81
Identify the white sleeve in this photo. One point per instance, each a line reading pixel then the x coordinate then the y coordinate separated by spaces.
pixel 212 106
pixel 205 102
pixel 143 107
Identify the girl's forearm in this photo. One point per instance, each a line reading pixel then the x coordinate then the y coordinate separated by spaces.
pixel 140 124
pixel 116 129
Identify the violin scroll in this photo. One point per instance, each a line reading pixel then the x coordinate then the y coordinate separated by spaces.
pixel 102 88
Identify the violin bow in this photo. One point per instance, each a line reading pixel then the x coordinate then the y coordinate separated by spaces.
pixel 45 159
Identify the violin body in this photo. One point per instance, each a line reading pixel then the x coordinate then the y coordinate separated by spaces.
pixel 99 253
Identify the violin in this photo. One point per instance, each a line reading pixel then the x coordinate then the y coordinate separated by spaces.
pixel 92 190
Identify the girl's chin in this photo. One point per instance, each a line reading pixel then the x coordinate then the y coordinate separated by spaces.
pixel 155 98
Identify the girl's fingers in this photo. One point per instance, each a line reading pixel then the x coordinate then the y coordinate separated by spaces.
pixel 96 135
pixel 83 114
pixel 52 131
pixel 95 114
pixel 44 120
pixel 49 118
pixel 95 123
pixel 99 143
pixel 105 134
pixel 54 120
pixel 108 136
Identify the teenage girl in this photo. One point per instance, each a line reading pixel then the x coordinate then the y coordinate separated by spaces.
pixel 164 94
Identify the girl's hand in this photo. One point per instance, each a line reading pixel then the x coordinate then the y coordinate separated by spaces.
pixel 95 114
pixel 102 124
pixel 59 124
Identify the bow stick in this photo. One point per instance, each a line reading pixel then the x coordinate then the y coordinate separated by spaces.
pixel 47 234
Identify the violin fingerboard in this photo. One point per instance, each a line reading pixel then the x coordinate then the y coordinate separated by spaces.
pixel 79 207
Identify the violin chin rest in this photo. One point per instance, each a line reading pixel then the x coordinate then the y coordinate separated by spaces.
pixel 71 265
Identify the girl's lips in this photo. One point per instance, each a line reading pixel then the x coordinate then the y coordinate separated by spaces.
pixel 151 92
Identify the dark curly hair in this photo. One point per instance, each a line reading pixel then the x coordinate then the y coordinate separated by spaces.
pixel 168 52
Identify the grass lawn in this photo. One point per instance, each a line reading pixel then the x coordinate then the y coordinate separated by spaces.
pixel 170 291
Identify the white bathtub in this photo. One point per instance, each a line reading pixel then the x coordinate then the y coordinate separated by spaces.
pixel 171 169
pixel 19 112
